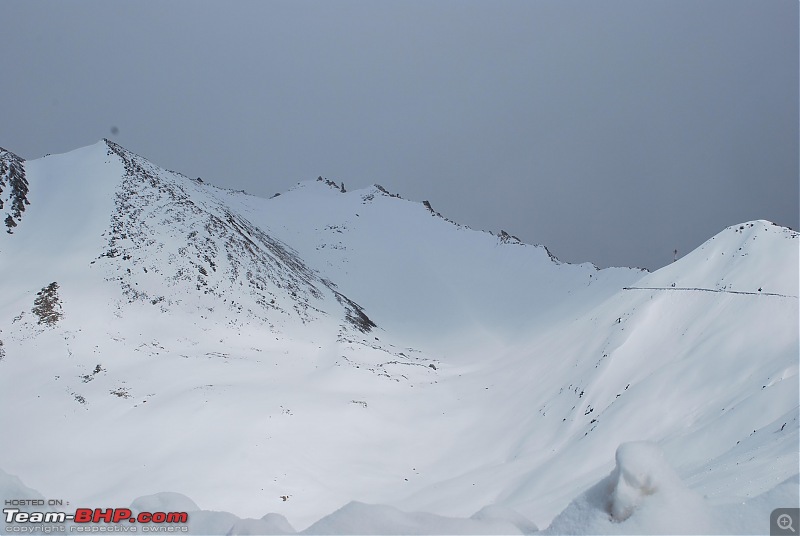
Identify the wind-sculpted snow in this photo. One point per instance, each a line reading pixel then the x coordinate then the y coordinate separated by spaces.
pixel 645 495
pixel 642 495
pixel 360 518
pixel 350 357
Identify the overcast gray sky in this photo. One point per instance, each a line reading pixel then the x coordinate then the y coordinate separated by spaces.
pixel 612 132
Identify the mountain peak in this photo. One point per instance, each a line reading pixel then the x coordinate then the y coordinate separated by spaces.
pixel 332 184
pixel 754 257
pixel 220 252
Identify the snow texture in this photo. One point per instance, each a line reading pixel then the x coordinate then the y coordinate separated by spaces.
pixel 644 495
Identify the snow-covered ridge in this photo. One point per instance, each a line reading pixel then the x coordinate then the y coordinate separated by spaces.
pixel 757 257
pixel 398 256
pixel 331 356
pixel 210 250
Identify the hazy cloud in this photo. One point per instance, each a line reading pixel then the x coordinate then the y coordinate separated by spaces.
pixel 612 132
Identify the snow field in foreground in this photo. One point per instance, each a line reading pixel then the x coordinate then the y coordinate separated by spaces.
pixel 642 495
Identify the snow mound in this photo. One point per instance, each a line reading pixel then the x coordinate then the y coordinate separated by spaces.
pixel 497 512
pixel 167 501
pixel 359 518
pixel 641 471
pixel 269 524
pixel 642 495
pixel 27 499
pixel 11 487
pixel 209 521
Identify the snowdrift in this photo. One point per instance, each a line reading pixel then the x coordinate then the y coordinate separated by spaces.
pixel 642 495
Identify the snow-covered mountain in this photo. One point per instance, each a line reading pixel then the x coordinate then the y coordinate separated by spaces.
pixel 291 355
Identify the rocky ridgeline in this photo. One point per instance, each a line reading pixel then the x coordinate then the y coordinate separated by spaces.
pixel 13 189
pixel 171 237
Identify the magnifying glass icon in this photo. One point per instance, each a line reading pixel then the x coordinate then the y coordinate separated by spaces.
pixel 785 522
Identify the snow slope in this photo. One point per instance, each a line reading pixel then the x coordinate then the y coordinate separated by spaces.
pixel 439 284
pixel 324 348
